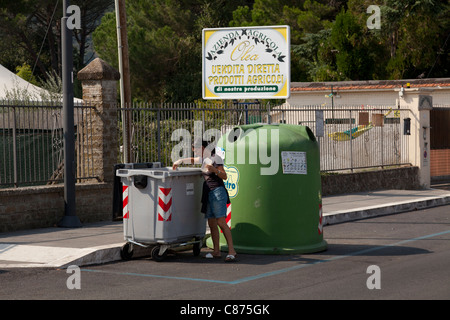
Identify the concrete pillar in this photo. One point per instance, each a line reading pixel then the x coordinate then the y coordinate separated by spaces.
pixel 420 104
pixel 99 140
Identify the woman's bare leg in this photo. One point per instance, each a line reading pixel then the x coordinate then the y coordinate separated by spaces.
pixel 222 223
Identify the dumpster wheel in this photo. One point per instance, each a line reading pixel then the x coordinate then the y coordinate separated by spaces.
pixel 197 247
pixel 126 253
pixel 156 256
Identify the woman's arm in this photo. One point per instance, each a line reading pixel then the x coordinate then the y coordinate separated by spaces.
pixel 219 171
pixel 185 161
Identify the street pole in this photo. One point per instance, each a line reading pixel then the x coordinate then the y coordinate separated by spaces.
pixel 124 70
pixel 70 219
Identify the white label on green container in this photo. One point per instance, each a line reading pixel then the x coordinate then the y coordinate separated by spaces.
pixel 294 162
pixel 232 182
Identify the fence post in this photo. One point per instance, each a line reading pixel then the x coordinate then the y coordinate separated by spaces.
pixel 99 83
pixel 158 132
pixel 382 140
pixel 351 140
pixel 14 133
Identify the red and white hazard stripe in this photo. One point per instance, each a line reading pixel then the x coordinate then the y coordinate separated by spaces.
pixel 228 218
pixel 165 204
pixel 125 211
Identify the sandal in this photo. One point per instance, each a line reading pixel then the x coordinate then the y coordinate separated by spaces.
pixel 231 258
pixel 212 256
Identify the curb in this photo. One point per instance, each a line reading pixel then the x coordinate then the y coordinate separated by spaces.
pixel 73 256
pixel 95 255
pixel 391 208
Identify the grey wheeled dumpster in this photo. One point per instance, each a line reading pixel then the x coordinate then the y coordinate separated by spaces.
pixel 161 208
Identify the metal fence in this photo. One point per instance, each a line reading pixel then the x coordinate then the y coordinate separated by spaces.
pixel 31 143
pixel 350 137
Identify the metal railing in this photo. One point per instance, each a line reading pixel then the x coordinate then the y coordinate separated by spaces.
pixel 350 137
pixel 31 143
pixel 354 137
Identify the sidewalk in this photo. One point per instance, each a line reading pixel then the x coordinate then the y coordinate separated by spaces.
pixel 101 242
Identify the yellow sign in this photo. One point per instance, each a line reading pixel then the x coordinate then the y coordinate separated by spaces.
pixel 246 63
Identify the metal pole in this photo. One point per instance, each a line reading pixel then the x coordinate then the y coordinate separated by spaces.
pixel 70 220
pixel 158 133
pixel 122 95
pixel 124 70
pixel 351 140
pixel 246 114
pixel 14 133
pixel 332 103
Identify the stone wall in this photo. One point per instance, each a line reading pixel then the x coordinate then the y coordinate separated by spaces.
pixel 401 178
pixel 43 206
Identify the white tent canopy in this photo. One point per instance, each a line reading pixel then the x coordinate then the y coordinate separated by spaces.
pixel 14 87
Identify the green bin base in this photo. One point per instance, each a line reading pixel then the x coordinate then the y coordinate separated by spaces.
pixel 313 248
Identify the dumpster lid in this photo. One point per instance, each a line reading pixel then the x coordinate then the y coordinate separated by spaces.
pixel 158 173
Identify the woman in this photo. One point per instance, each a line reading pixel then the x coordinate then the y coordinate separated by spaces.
pixel 214 199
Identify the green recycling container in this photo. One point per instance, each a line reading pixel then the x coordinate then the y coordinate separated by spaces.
pixel 275 189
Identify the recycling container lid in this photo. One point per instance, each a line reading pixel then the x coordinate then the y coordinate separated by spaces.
pixel 158 173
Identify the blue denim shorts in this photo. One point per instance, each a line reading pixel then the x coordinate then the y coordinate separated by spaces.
pixel 217 203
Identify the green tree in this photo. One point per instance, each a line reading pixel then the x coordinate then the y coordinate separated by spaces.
pixel 305 18
pixel 24 71
pixel 164 38
pixel 317 56
pixel 353 60
pixel 330 40
pixel 23 30
pixel 416 32
pixel 413 37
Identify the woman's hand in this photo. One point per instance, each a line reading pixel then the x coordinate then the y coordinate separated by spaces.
pixel 176 164
pixel 219 171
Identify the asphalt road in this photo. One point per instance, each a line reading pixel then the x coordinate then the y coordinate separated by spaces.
pixel 410 252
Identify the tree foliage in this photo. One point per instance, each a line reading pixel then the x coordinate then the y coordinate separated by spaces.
pixel 164 39
pixel 330 39
pixel 31 34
